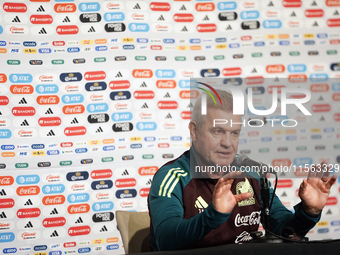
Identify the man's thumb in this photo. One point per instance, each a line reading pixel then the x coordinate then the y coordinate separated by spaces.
pixel 242 196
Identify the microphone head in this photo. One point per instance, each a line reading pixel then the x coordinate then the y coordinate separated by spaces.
pixel 240 160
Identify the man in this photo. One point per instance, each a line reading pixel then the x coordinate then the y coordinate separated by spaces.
pixel 191 209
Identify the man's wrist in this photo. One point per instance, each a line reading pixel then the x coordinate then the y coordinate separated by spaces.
pixel 312 212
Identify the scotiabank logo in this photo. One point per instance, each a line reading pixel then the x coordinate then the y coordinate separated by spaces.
pixel 144 192
pixel 319 88
pixel 41 19
pixel 231 71
pixel 23 111
pixel 205 7
pixel 4 100
pixel 79 231
pixel 321 107
pixel 70 244
pixel 6 203
pixel 21 89
pixel 333 22
pixel 142 73
pixel 202 28
pixel 292 3
pixel 67 30
pixel 297 78
pixel 58 43
pixel 317 13
pixel 186 115
pixel 28 190
pixel 166 84
pixel 44 100
pixel 167 105
pixel 160 7
pixel 99 174
pixel 73 109
pixel 14 7
pixel 72 131
pixel 81 208
pixel 147 170
pixel 28 213
pixel 65 8
pixel 124 183
pixel 275 68
pixel 92 76
pixel 49 121
pixel 284 183
pixel 181 17
pixel 147 94
pixel 54 222
pixel 6 180
pixel 53 200
pixel 124 84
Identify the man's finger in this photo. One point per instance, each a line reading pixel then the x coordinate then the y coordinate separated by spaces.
pixel 327 173
pixel 242 196
pixel 232 175
pixel 330 183
pixel 319 170
pixel 311 172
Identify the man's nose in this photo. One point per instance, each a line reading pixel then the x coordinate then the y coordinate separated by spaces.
pixel 226 140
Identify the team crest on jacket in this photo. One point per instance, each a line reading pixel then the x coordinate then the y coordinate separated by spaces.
pixel 243 187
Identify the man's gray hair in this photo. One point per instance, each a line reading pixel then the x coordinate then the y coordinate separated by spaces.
pixel 227 105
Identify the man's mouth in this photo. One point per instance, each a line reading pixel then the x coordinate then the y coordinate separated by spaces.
pixel 224 153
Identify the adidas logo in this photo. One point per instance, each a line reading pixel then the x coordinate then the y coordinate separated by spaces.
pixel 51 133
pixel 329 211
pixel 16 19
pixel 42 31
pixel 293 14
pixel 23 101
pixel 74 121
pixel 228 28
pixel 277 79
pixel 41 9
pixel 136 7
pixel 336 13
pixel 167 95
pixel 99 130
pixel 190 105
pixel 320 98
pixel 125 172
pixel 144 106
pixel 143 85
pixel 29 225
pixel 3 215
pixel 161 18
pixel 168 116
pixel 254 70
pixel 67 19
pixel 314 4
pixel 28 202
pixel 49 111
pixel 206 18
pixel 3 192
pixel 91 29
pixel 149 182
pixel 54 211
pixel 54 234
pixel 270 4
pixel 322 118
pixel 315 24
pixel 284 194
pixel 183 8
pixel 184 29
pixel 118 75
pixel 200 203
pixel 79 220
pixel 24 123
pixel 104 229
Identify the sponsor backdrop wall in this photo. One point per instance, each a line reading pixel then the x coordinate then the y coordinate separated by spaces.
pixel 95 97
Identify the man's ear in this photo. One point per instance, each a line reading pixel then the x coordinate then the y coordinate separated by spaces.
pixel 193 130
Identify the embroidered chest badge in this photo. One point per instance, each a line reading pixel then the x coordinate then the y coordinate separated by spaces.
pixel 243 187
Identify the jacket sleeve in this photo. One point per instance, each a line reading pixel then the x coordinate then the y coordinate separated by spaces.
pixel 170 230
pixel 282 218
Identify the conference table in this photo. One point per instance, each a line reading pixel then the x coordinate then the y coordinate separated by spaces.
pixel 311 248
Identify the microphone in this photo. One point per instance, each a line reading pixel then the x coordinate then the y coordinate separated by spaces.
pixel 243 161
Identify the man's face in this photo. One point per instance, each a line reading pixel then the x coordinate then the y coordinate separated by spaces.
pixel 217 145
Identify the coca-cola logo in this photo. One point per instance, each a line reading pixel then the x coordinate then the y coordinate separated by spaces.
pixel 65 8
pixel 6 180
pixel 142 73
pixel 28 190
pixel 81 208
pixel 53 200
pixel 74 109
pixel 21 89
pixel 45 100
pixel 147 170
pixel 248 220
